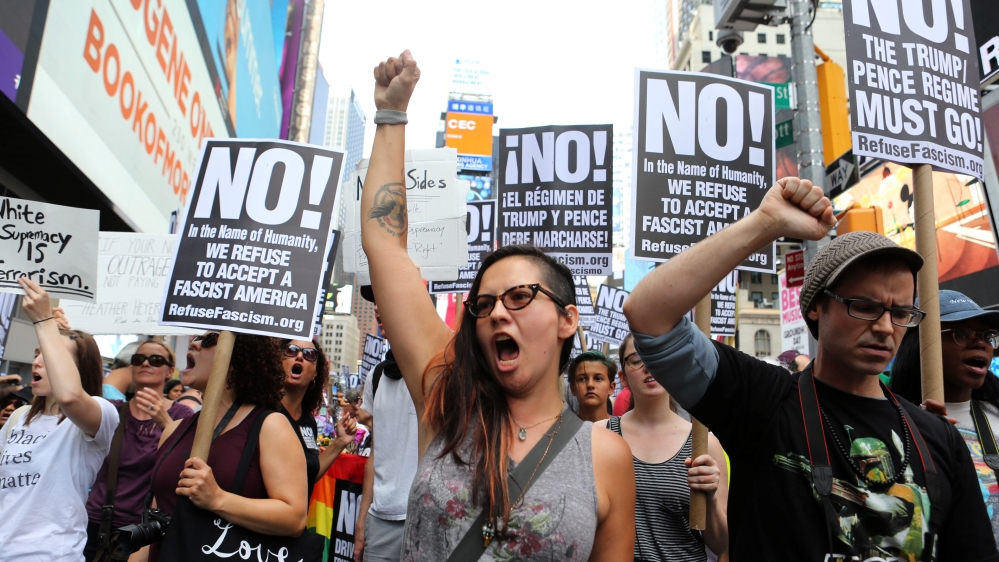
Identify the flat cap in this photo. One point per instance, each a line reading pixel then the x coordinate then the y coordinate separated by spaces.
pixel 833 259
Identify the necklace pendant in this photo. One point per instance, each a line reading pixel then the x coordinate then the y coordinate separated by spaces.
pixel 487 534
pixel 522 434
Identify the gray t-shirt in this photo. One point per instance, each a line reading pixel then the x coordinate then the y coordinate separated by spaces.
pixel 395 446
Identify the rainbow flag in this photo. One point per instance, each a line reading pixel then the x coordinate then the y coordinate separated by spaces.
pixel 334 506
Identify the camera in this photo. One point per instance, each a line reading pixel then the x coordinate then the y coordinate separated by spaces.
pixel 133 537
pixel 728 40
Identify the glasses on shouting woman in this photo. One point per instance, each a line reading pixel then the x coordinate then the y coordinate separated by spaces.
pixel 207 340
pixel 966 336
pixel 514 298
pixel 310 354
pixel 634 362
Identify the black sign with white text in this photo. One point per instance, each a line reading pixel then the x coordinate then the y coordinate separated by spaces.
pixel 481 227
pixel 703 159
pixel 374 353
pixel 584 301
pixel 555 191
pixel 914 83
pixel 610 325
pixel 723 298
pixel 254 239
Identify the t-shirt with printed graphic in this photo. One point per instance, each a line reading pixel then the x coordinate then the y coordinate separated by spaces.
pixel 961 411
pixel 46 469
pixel 774 512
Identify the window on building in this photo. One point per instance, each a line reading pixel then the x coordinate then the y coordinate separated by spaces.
pixel 761 37
pixel 744 53
pixel 711 35
pixel 774 297
pixel 780 39
pixel 705 56
pixel 774 279
pixel 763 54
pixel 755 277
pixel 761 343
pixel 756 297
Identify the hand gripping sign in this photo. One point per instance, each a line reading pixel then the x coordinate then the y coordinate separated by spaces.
pixel 703 158
pixel 254 238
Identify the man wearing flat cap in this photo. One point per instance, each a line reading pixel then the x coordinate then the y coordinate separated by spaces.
pixel 827 464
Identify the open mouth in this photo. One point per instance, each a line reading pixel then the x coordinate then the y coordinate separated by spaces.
pixel 190 363
pixel 978 364
pixel 507 351
pixel 36 377
pixel 296 369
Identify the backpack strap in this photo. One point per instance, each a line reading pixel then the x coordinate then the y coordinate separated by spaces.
pixel 985 435
pixel 472 545
pixel 818 450
pixel 252 438
pixel 376 377
pixel 107 510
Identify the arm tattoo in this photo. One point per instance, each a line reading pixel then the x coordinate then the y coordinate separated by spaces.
pixel 389 209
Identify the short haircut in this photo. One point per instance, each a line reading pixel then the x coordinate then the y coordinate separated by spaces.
pixel 592 357
pixel 352 396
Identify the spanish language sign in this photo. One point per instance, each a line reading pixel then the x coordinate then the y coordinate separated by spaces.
pixel 480 225
pixel 54 246
pixel 723 298
pixel 555 192
pixel 254 238
pixel 914 83
pixel 610 325
pixel 584 301
pixel 131 270
pixel 703 158
pixel 793 330
pixel 435 211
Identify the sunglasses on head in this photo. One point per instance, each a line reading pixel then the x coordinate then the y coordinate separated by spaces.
pixel 154 360
pixel 206 340
pixel 310 354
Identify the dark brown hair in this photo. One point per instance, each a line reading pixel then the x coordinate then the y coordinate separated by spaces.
pixel 314 394
pixel 88 362
pixel 256 371
pixel 467 404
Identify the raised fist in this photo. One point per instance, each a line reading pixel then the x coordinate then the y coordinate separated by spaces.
pixel 798 209
pixel 395 80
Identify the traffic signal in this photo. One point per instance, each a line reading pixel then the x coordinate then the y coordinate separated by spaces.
pixel 856 218
pixel 836 139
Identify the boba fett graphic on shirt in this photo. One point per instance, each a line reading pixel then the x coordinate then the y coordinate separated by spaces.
pixel 874 523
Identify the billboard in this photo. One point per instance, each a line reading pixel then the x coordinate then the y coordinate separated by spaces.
pixel 965 243
pixel 987 36
pixel 468 128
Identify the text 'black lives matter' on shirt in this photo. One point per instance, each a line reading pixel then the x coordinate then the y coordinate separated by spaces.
pixel 773 510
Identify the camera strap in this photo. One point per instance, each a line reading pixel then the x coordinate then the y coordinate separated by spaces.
pixel 985 436
pixel 107 510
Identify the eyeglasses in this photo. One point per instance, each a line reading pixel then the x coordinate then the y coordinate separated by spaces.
pixel 310 354
pixel 514 298
pixel 863 309
pixel 154 360
pixel 633 361
pixel 207 340
pixel 966 336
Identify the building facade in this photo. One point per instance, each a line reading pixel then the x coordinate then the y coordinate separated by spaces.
pixel 340 341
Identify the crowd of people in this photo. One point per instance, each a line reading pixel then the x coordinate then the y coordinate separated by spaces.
pixel 477 455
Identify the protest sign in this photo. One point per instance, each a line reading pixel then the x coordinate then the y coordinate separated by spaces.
pixel 795 270
pixel 335 506
pixel 435 203
pixel 609 326
pixel 584 301
pixel 914 83
pixel 131 271
pixel 703 159
pixel 7 301
pixel 374 353
pixel 54 246
pixel 254 238
pixel 324 287
pixel 555 191
pixel 480 225
pixel 723 298
pixel 794 331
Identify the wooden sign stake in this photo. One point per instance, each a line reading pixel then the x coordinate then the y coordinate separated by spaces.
pixel 213 396
pixel 930 351
pixel 699 436
pixel 582 339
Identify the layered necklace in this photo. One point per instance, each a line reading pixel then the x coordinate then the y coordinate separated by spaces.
pixel 899 475
pixel 522 434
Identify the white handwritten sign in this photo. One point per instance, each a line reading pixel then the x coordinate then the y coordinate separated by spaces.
pixel 435 201
pixel 53 245
pixel 131 271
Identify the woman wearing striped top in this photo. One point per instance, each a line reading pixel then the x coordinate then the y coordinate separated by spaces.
pixel 660 442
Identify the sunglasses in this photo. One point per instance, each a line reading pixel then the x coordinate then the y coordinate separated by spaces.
pixel 154 360
pixel 207 340
pixel 310 354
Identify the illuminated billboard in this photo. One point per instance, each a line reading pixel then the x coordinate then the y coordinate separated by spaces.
pixel 468 128
pixel 965 243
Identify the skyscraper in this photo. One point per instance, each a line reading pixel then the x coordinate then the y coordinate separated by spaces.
pixel 345 122
pixel 622 185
